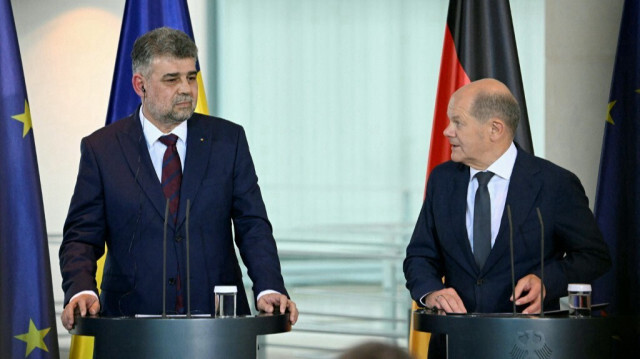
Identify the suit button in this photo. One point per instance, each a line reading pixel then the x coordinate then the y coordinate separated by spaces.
pixel 178 239
pixel 479 282
pixel 172 281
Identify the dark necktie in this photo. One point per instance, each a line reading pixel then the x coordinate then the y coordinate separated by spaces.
pixel 482 220
pixel 171 174
pixel 171 180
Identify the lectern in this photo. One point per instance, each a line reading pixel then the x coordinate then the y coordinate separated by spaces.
pixel 201 337
pixel 513 337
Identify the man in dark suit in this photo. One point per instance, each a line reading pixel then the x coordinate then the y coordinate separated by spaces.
pixel 164 158
pixel 450 241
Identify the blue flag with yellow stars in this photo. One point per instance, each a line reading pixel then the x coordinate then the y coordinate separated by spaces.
pixel 140 17
pixel 617 205
pixel 27 316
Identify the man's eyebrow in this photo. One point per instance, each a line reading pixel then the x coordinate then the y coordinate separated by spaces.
pixel 177 74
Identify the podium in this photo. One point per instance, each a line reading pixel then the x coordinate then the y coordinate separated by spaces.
pixel 196 337
pixel 506 336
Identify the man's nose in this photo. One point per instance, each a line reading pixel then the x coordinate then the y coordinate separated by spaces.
pixel 185 87
pixel 448 131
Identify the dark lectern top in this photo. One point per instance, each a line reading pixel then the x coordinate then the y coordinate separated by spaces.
pixel 197 337
pixel 506 336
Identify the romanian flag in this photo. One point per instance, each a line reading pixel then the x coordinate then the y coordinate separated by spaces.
pixel 478 43
pixel 140 16
pixel 27 315
pixel 617 205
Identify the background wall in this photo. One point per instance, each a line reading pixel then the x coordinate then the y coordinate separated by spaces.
pixel 68 50
pixel 580 44
pixel 337 97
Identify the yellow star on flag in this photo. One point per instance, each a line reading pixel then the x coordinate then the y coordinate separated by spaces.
pixel 609 118
pixel 25 118
pixel 34 338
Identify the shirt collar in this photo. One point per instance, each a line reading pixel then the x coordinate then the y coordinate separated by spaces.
pixel 503 166
pixel 152 133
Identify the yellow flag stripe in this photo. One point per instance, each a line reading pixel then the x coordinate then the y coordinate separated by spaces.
pixel 418 341
pixel 201 106
pixel 82 346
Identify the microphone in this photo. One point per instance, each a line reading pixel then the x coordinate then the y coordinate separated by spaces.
pixel 513 275
pixel 188 263
pixel 164 261
pixel 541 262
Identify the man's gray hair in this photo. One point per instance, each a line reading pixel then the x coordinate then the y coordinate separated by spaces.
pixel 162 41
pixel 501 105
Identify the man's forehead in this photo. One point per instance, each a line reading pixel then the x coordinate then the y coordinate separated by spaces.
pixel 169 64
pixel 457 104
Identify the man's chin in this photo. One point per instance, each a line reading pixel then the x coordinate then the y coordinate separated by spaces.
pixel 456 158
pixel 181 116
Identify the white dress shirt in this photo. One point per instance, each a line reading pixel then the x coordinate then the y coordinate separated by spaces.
pixel 498 187
pixel 157 148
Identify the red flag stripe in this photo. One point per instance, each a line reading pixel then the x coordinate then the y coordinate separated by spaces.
pixel 452 77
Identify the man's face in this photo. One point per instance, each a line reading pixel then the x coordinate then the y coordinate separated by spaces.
pixel 469 139
pixel 171 90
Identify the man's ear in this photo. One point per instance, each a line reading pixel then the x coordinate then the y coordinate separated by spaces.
pixel 138 84
pixel 498 128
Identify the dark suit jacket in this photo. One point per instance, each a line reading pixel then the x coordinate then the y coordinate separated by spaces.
pixel 118 200
pixel 440 245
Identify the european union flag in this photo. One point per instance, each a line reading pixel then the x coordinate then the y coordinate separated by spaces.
pixel 27 316
pixel 617 206
pixel 141 16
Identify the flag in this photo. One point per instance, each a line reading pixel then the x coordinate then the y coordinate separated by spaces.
pixel 479 42
pixel 27 315
pixel 140 17
pixel 617 205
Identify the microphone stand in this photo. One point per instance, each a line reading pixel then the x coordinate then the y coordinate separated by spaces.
pixel 513 275
pixel 164 261
pixel 541 262
pixel 188 264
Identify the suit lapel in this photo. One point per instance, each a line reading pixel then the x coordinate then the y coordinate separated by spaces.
pixel 195 167
pixel 458 211
pixel 524 188
pixel 134 149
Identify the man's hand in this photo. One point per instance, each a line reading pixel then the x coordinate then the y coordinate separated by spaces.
pixel 532 285
pixel 83 303
pixel 445 299
pixel 267 303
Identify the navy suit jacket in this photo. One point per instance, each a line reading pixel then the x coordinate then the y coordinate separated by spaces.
pixel 574 250
pixel 118 200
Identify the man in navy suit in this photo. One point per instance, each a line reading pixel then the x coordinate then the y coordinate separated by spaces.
pixel 483 117
pixel 119 200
